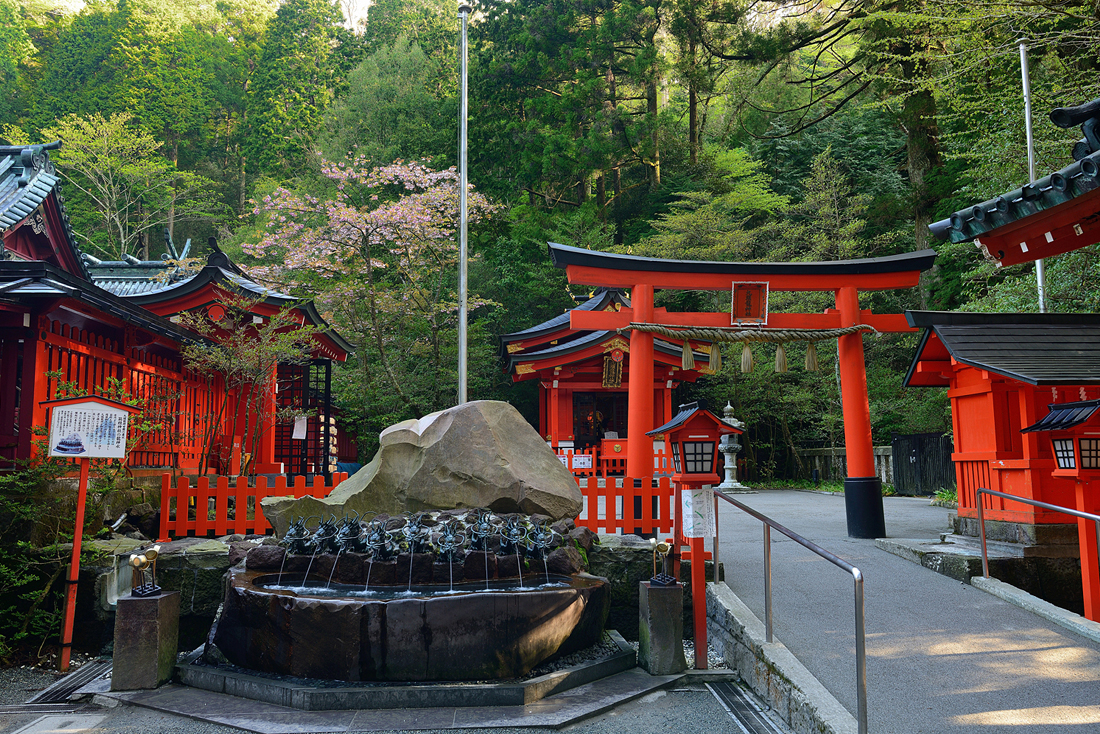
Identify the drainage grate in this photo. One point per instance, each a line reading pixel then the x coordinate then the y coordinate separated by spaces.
pixel 41 708
pixel 62 688
pixel 742 709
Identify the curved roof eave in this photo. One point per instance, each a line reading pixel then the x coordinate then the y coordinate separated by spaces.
pixel 564 255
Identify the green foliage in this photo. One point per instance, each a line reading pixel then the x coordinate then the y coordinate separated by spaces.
pixel 390 112
pixel 297 76
pixel 127 192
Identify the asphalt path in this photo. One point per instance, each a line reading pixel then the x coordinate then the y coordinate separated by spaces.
pixel 942 656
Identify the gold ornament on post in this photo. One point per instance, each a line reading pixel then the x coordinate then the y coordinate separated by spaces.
pixel 662 578
pixel 143 581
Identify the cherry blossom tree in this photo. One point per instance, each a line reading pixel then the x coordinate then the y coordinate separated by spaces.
pixel 381 254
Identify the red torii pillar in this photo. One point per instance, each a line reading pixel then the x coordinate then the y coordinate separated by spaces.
pixel 639 418
pixel 862 488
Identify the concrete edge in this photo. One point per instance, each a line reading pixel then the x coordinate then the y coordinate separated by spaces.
pixel 770 670
pixel 440 695
pixel 1062 617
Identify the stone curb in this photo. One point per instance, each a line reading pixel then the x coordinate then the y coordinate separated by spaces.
pixel 1064 618
pixel 300 695
pixel 770 670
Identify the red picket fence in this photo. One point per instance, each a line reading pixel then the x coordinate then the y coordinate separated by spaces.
pixel 220 517
pixel 622 507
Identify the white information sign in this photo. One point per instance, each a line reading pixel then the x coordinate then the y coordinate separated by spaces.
pixel 697 509
pixel 582 461
pixel 89 431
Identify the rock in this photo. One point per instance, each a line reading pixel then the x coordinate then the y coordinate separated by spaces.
pixel 264 558
pixel 565 561
pixel 238 551
pixel 563 527
pixel 480 454
pixel 479 565
pixel 145 518
pixel 584 537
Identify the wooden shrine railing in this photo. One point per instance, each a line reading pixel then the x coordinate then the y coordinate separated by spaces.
pixel 620 505
pixel 227 508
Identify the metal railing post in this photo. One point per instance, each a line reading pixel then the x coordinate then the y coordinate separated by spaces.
pixel 768 581
pixel 981 534
pixel 861 656
pixel 714 551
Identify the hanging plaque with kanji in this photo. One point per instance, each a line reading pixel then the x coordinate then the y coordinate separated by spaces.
pixel 697 506
pixel 749 304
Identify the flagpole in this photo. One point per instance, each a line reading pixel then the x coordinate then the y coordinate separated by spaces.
pixel 463 14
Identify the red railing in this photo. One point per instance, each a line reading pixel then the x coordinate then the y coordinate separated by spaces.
pixel 220 516
pixel 624 505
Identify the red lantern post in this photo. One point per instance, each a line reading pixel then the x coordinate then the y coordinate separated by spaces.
pixel 694 434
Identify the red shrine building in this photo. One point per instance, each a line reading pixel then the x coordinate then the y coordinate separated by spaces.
pixel 1009 375
pixel 68 317
pixel 583 376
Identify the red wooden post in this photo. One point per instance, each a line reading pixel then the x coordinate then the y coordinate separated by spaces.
pixel 699 602
pixel 1087 501
pixel 240 506
pixel 165 506
pixel 202 502
pixel 221 507
pixel 74 570
pixel 261 523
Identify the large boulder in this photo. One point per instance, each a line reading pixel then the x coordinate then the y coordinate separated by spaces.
pixel 480 454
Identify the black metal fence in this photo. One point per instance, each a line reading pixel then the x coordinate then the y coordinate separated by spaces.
pixel 922 463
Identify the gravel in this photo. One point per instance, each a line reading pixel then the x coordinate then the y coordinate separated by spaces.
pixel 19 684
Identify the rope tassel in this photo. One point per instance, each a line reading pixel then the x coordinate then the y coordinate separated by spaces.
pixel 687 361
pixel 780 358
pixel 715 359
pixel 746 358
pixel 811 357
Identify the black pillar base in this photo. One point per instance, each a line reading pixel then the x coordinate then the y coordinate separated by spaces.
pixel 863 507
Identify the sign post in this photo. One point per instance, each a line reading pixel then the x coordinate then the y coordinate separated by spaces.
pixel 87 427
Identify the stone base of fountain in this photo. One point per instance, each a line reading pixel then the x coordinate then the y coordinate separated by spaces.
pixel 324 695
pixel 433 634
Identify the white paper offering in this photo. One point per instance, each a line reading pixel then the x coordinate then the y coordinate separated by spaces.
pixel 300 424
pixel 697 509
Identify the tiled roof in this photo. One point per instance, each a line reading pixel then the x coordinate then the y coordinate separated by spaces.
pixel 1076 179
pixel 27 178
pixel 1039 349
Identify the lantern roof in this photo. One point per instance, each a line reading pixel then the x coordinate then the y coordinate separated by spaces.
pixel 689 411
pixel 1064 415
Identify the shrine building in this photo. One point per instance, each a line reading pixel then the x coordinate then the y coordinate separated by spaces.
pixel 583 376
pixel 66 316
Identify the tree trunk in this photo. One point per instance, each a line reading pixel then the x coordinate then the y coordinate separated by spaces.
pixel 693 107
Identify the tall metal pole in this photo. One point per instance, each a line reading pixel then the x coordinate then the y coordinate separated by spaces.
pixel 1040 267
pixel 463 14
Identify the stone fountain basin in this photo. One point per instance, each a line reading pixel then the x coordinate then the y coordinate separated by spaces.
pixel 475 635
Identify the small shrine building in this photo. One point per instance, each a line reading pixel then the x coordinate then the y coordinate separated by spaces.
pixel 583 376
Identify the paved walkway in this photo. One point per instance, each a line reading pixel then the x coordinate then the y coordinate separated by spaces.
pixel 942 656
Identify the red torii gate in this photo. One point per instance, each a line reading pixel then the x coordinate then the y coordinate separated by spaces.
pixel 846 278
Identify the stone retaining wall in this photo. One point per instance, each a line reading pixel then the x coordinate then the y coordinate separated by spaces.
pixel 770 669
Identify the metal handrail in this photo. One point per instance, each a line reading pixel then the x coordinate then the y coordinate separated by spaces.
pixel 857 576
pixel 1046 505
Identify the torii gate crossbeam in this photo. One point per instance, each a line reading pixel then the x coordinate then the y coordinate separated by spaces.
pixel 846 278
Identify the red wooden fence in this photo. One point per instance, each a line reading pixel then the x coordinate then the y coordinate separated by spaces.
pixel 612 507
pixel 217 517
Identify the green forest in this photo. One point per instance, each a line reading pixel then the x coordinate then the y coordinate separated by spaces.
pixel 316 141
